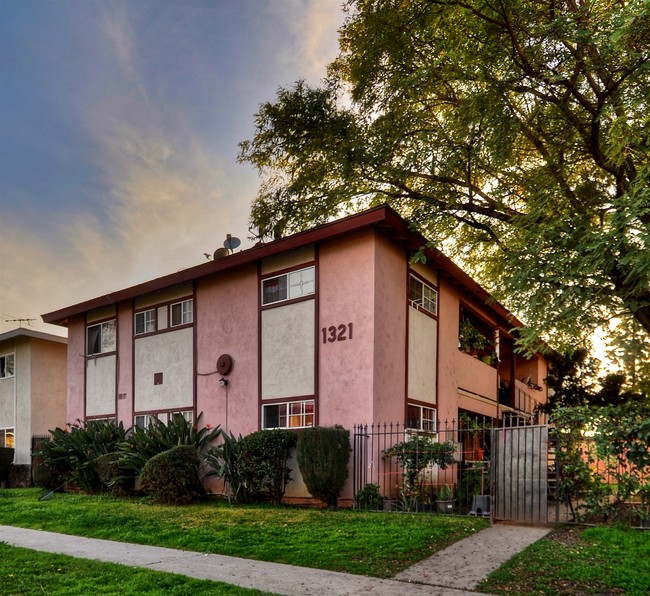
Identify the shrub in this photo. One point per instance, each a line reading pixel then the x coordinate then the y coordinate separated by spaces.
pixel 370 498
pixel 145 443
pixel 71 452
pixel 172 476
pixel 113 476
pixel 44 476
pixel 6 459
pixel 224 463
pixel 323 455
pixel 262 464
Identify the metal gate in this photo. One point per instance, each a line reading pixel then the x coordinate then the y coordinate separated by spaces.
pixel 520 474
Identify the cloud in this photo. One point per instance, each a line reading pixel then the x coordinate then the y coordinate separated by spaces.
pixel 311 32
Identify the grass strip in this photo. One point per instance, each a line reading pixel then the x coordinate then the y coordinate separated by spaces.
pixel 27 572
pixel 577 561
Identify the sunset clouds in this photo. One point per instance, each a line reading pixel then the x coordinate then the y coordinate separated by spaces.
pixel 131 172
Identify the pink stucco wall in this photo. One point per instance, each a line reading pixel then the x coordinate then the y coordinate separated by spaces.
pixel 361 282
pixel 124 365
pixel 345 290
pixel 390 366
pixel 226 320
pixel 76 368
pixel 457 370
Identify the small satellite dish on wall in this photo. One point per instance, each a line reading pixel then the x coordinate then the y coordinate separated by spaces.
pixel 220 253
pixel 231 243
pixel 224 364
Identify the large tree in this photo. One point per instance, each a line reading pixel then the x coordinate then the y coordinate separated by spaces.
pixel 513 133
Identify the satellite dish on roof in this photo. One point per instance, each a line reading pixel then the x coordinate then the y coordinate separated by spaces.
pixel 231 243
pixel 220 253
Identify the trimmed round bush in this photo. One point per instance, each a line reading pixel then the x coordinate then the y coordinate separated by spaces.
pixel 112 474
pixel 172 477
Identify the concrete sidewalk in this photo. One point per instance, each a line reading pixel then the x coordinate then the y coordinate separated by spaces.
pixel 453 571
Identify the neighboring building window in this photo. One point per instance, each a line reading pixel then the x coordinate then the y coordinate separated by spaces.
pixel 295 414
pixel 7 366
pixel 289 286
pixel 101 338
pixel 423 296
pixel 6 437
pixel 183 313
pixel 145 322
pixel 421 418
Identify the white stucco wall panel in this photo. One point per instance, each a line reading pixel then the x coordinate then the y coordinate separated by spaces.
pixel 288 260
pixel 100 385
pixel 101 314
pixel 172 355
pixel 423 333
pixel 288 350
pixel 7 392
pixel 7 402
pixel 164 296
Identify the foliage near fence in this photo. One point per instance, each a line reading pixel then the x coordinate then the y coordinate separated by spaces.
pixel 603 460
pixel 398 468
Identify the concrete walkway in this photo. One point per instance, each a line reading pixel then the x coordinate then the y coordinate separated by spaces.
pixel 453 571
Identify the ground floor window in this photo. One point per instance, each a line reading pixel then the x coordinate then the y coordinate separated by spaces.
pixel 144 420
pixel 294 414
pixel 421 418
pixel 104 419
pixel 6 437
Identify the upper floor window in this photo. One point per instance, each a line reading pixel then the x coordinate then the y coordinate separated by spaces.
pixel 422 295
pixel 145 322
pixel 182 313
pixel 421 418
pixel 101 338
pixel 288 286
pixel 7 366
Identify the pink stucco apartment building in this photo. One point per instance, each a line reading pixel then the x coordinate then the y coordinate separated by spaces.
pixel 333 325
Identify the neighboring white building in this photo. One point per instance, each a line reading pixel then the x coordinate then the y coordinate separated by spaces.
pixel 33 377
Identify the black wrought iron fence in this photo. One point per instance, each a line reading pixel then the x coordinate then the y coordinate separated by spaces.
pixel 402 469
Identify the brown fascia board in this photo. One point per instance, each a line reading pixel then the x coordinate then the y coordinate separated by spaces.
pixel 381 217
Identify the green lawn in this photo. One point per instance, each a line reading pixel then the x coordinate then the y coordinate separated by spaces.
pixel 374 544
pixel 570 561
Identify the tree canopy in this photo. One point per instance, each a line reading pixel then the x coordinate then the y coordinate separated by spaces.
pixel 512 133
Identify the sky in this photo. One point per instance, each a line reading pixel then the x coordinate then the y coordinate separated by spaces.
pixel 119 131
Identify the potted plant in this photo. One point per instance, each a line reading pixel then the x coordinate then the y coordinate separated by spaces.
pixel 470 339
pixel 445 502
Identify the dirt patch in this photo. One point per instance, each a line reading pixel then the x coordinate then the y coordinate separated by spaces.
pixel 567 535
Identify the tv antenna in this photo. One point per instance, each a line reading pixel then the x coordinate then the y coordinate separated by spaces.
pixel 19 321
